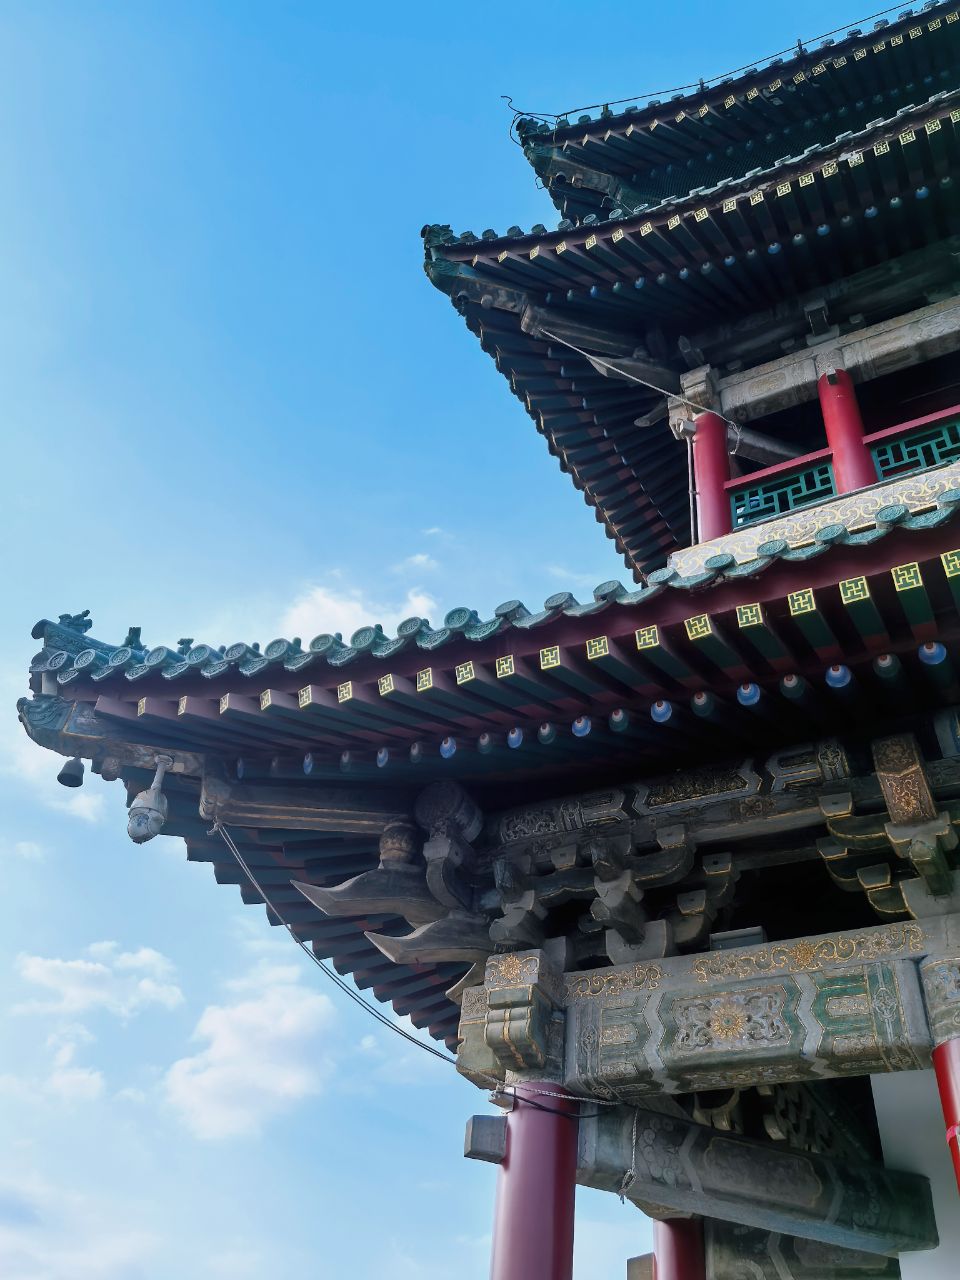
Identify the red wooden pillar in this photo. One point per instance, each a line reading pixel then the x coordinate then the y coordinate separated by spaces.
pixel 711 469
pixel 678 1250
pixel 946 1064
pixel 852 464
pixel 536 1186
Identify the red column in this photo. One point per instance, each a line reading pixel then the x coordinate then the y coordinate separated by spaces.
pixel 533 1220
pixel 711 469
pixel 946 1063
pixel 678 1250
pixel 852 464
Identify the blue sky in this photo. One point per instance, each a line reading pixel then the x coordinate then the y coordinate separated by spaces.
pixel 233 408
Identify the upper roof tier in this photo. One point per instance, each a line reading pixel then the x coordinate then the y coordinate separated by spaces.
pixel 594 324
pixel 642 155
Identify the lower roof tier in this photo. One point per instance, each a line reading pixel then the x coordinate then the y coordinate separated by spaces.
pixel 310 755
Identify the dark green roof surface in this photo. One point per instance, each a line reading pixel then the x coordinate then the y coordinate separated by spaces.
pixel 677 274
pixel 748 119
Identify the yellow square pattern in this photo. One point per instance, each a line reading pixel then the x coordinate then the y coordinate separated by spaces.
pixel 859 55
pixel 142 706
pixel 701 215
pixel 896 41
pixel 729 100
pixel 749 615
pixel 752 94
pixel 908 135
pixel 882 148
pixel 784 188
pixel 951 561
pixel 599 647
pixel 345 691
pixel 464 671
pixel 932 126
pixel 699 627
pixel 829 170
pixel 303 696
pixel 801 601
pixel 385 685
pixel 265 699
pixel 648 637
pixel 756 197
pixel 673 222
pixel 729 206
pixel 854 589
pixel 906 577
pixel 855 158
pixel 224 703
pixel 506 666
pixel 181 706
pixel 550 657
pixel 424 679
pixel 806 179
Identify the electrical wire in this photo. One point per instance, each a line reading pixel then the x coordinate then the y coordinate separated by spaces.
pixel 499 1088
pixel 632 377
pixel 334 977
pixel 799 47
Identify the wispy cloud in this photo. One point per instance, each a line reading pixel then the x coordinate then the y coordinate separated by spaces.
pixel 420 562
pixel 570 578
pixel 102 978
pixel 37 769
pixel 263 1051
pixel 28 850
pixel 49 1231
pixel 320 608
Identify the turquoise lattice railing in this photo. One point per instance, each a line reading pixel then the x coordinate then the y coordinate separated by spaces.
pixel 779 494
pixel 918 451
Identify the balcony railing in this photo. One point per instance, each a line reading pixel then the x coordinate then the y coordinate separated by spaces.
pixel 918 445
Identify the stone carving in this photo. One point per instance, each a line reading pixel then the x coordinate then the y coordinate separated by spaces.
pixel 683 1167
pixel 809 955
pixel 941 988
pixel 612 982
pixel 732 1021
pixel 848 1017
pixel 524 1003
pixel 917 492
pixel 743 1253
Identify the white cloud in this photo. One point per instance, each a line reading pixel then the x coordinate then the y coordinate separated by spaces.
pixel 104 978
pixel 570 578
pixel 414 563
pixel 434 532
pixel 48 1232
pixel 320 609
pixel 36 768
pixel 264 1051
pixel 28 850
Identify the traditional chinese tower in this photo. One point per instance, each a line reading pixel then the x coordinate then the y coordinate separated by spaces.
pixel 674 870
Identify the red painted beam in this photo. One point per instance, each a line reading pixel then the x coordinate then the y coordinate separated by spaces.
pixel 946 1064
pixel 852 461
pixel 711 466
pixel 678 1250
pixel 536 1186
